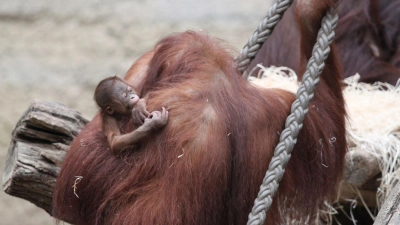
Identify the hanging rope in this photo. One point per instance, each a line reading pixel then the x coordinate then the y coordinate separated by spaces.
pixel 263 31
pixel 294 122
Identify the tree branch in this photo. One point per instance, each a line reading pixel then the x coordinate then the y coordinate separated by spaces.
pixel 39 144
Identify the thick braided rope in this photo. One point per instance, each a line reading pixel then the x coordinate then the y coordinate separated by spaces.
pixel 263 31
pixel 294 122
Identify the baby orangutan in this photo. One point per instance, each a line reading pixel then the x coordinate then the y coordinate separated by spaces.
pixel 116 99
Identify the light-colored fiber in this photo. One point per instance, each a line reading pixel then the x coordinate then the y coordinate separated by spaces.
pixel 373 122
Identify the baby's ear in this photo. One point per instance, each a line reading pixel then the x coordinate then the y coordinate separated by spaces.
pixel 109 110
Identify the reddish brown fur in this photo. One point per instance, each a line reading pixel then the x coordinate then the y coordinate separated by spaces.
pixel 367 38
pixel 206 167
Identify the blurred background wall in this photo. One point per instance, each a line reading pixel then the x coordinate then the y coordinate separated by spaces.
pixel 58 51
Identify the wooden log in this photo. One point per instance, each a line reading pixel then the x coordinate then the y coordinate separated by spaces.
pixel 390 210
pixel 39 144
pixel 42 136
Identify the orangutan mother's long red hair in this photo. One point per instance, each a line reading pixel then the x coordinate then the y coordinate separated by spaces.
pixel 367 39
pixel 207 165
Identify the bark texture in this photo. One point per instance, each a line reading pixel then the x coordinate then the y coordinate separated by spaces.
pixel 40 141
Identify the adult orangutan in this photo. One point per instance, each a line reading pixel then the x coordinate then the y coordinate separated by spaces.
pixel 206 166
pixel 367 37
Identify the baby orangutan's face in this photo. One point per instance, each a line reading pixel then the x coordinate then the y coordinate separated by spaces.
pixel 125 96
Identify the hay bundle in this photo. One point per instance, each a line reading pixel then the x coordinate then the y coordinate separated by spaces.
pixel 373 123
